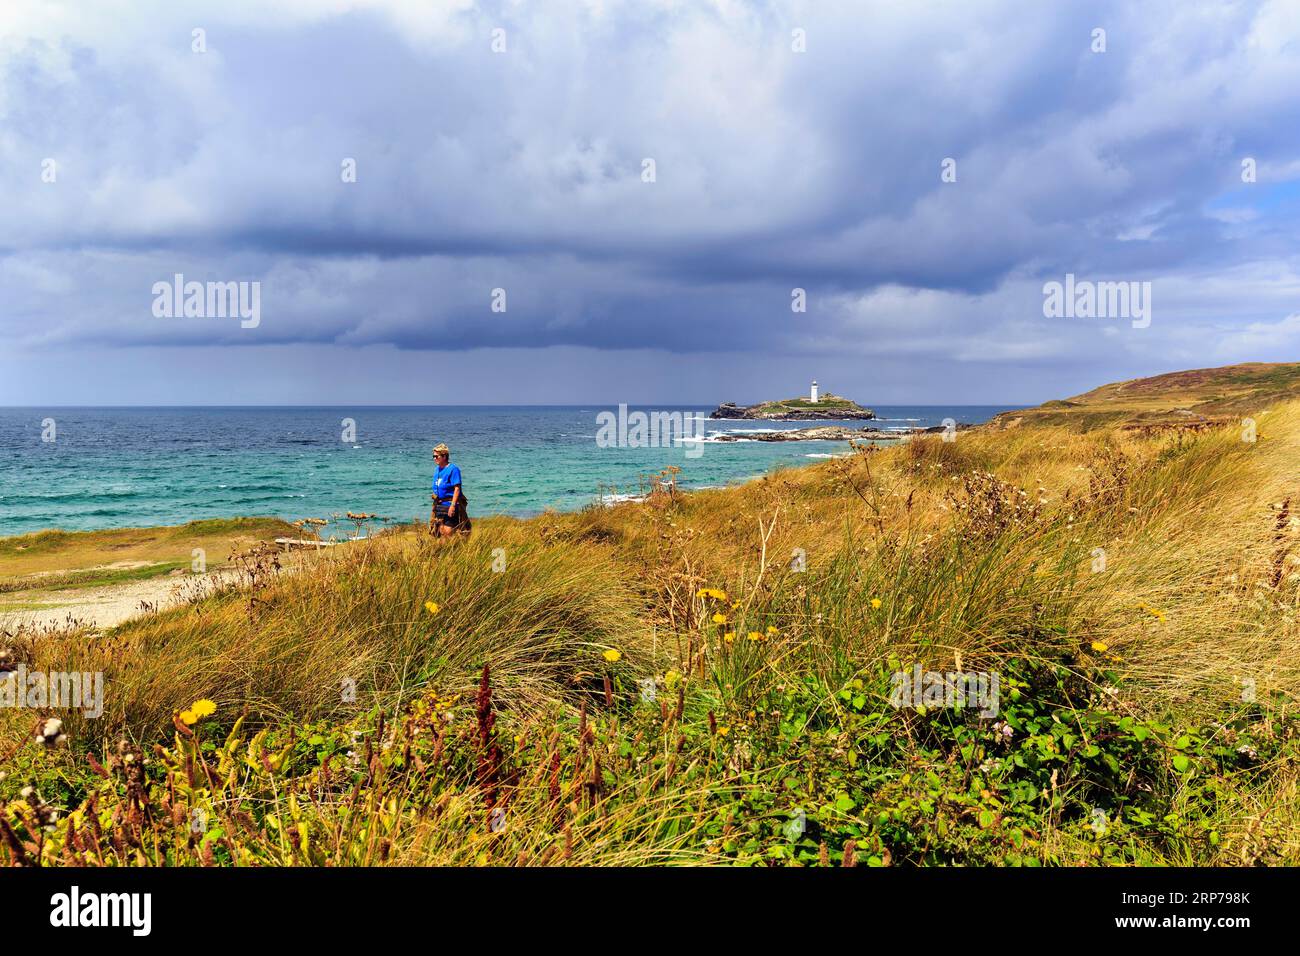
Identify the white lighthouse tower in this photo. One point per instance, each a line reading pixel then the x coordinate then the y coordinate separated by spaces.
pixel 812 394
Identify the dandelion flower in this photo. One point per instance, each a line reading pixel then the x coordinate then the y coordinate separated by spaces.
pixel 203 708
pixel 1100 647
pixel 875 603
pixel 729 637
pixel 719 619
pixel 771 629
pixel 189 718
pixel 432 607
pixel 613 656
pixel 755 636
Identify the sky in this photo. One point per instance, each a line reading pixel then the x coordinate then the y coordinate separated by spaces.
pixel 578 201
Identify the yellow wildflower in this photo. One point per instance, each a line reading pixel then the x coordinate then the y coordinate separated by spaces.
pixel 1154 612
pixel 771 629
pixel 719 619
pixel 1099 647
pixel 432 607
pixel 203 708
pixel 729 637
pixel 755 636
pixel 188 718
pixel 875 603
pixel 671 678
pixel 612 656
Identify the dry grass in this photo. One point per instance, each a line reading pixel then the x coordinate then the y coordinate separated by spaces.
pixel 982 551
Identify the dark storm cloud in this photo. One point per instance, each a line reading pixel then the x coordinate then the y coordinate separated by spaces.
pixel 775 170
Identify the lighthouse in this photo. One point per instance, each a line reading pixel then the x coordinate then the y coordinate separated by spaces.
pixel 812 393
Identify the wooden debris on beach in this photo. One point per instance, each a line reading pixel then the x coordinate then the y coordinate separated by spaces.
pixel 290 543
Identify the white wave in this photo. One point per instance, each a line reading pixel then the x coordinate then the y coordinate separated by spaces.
pixel 613 499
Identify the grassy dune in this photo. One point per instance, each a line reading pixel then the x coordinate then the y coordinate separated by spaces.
pixel 655 683
pixel 1216 395
pixel 60 559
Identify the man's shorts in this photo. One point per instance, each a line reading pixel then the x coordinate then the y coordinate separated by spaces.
pixel 451 521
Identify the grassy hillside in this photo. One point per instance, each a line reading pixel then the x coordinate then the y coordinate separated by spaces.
pixel 705 678
pixel 1207 395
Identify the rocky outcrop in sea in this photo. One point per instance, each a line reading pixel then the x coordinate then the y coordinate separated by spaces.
pixel 817 433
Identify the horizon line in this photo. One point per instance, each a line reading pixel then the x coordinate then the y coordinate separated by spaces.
pixel 506 405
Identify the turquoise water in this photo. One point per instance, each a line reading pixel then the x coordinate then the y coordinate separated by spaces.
pixel 125 467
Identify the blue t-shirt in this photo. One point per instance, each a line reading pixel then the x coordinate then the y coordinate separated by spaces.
pixel 445 481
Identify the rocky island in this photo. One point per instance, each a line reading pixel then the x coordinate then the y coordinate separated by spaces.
pixel 839 433
pixel 797 409
pixel 817 433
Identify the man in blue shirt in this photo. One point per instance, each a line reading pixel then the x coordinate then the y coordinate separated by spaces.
pixel 448 516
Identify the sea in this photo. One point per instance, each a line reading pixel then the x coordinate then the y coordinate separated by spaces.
pixel 93 468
